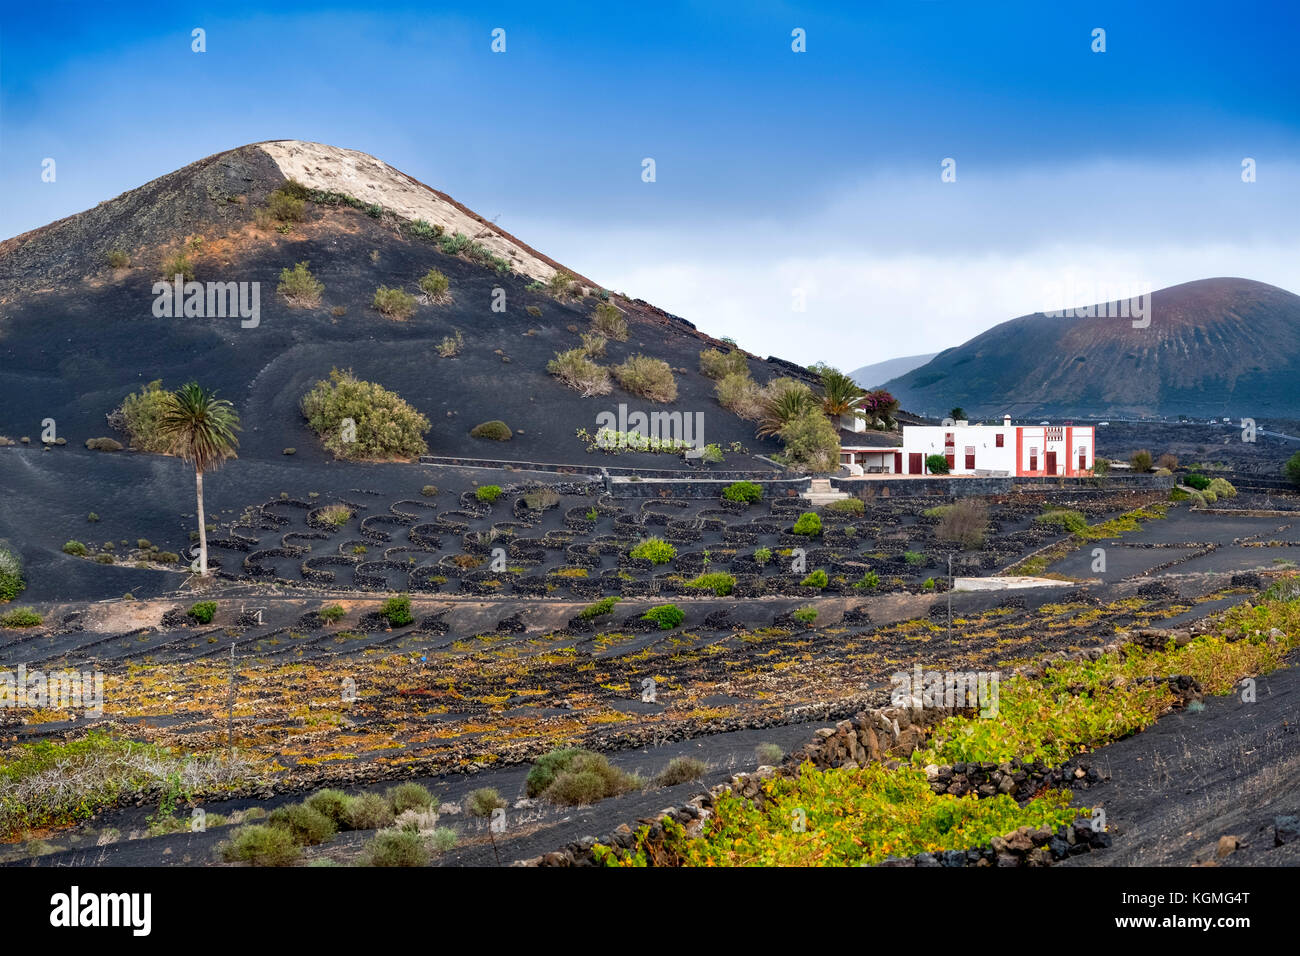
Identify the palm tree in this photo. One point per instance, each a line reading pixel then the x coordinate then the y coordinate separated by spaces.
pixel 839 393
pixel 784 399
pixel 199 428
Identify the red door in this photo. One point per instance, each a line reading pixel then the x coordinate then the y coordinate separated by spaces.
pixel 970 459
pixel 1033 463
pixel 915 466
pixel 1083 461
pixel 952 461
pixel 898 462
pixel 1051 462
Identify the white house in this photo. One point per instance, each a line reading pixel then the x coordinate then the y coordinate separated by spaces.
pixel 1021 450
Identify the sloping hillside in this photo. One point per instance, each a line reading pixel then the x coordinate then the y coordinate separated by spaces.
pixel 1221 346
pixel 78 334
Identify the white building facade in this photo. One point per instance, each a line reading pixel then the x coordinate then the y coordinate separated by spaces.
pixel 1065 450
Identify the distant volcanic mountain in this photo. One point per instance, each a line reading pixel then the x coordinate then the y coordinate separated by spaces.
pixel 876 374
pixel 81 327
pixel 1220 346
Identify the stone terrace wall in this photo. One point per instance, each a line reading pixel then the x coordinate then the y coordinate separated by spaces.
pixel 961 487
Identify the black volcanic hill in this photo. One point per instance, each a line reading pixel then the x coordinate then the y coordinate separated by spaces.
pixel 1216 346
pixel 77 335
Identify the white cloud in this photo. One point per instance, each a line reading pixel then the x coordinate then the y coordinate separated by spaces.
pixel 897 268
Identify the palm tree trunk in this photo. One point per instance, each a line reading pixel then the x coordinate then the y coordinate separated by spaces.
pixel 203 528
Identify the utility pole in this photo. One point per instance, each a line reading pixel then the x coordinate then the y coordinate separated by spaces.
pixel 230 704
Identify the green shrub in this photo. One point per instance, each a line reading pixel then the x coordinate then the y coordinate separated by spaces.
pixel 811 442
pixel 103 444
pixel 748 492
pixel 647 377
pixel 928 584
pixel 717 364
pixel 681 770
pixel 118 259
pixel 422 230
pixel 494 430
pixel 488 493
pixel 560 284
pixel 396 848
pixel 806 615
pixel 332 804
pixel 141 413
pixel 429 491
pixel 331 612
pixel 21 617
pixel 914 558
pixel 261 846
pixel 598 609
pixel 852 506
pixel 75 548
pixel 719 582
pixel 393 303
pixel 815 579
pixel 411 796
pixel 11 574
pixel 435 285
pixel 1063 518
pixel 769 755
pixel 1140 460
pixel 1197 481
pixel 868 582
pixel 580 373
pixel 203 611
pixel 369 811
pixel 285 206
pixel 1101 467
pixel 483 801
pixel 1291 469
pixel 587 777
pixel 299 287
pixel 740 395
pixel 451 345
pixel 92 517
pixel 385 426
pixel 1223 488
pixel 547 767
pixel 809 524
pixel 762 556
pixel 608 321
pixel 667 616
pixel 337 515
pixel 654 550
pixel 397 610
pixel 307 825
pixel 936 464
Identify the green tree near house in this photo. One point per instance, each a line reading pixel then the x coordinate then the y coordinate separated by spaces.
pixel 199 428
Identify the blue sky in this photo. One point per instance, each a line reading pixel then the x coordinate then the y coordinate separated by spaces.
pixel 781 176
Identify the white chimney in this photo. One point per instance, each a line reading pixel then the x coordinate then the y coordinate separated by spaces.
pixel 1006 421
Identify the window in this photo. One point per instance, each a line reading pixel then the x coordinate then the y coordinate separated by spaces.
pixel 998 441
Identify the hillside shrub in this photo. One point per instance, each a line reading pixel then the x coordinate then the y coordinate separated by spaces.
pixel 936 464
pixel 598 609
pixel 680 770
pixel 330 803
pixel 283 205
pixel 369 811
pixel 740 395
pixel 1292 469
pixel 587 777
pixel 306 825
pixel 815 579
pixel 716 364
pixel 648 377
pixel 299 287
pixel 488 493
pixel 667 616
pixel 1197 481
pixel 118 259
pixel 12 583
pixel 21 617
pixel 393 303
pixel 385 426
pixel 396 848
pixel 806 615
pixel 397 610
pixel 75 548
pixel 580 373
pixel 654 550
pixel 451 345
pixel 261 845
pixel 809 524
pixel 103 444
pixel 852 506
pixel 868 582
pixel 203 611
pixel 541 499
pixel 719 582
pixel 1064 519
pixel 140 414
pixel 1168 461
pixel 331 613
pixel 810 442
pixel 410 796
pixel 747 492
pixel 178 263
pixel 593 343
pixel 609 322
pixel 495 430
pixel 1223 488
pixel 435 285
pixel 1140 460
